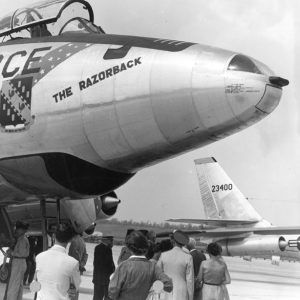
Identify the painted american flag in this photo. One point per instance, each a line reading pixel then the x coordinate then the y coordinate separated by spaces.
pixel 55 57
pixel 15 94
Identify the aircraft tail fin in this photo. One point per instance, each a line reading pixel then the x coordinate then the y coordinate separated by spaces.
pixel 220 196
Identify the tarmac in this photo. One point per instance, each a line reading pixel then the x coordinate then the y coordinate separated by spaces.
pixel 254 280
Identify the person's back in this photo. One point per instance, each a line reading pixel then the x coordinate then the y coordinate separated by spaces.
pixel 140 274
pixel 178 265
pixel 214 275
pixel 134 277
pixel 54 270
pixel 77 250
pixel 198 258
pixel 213 271
pixel 103 267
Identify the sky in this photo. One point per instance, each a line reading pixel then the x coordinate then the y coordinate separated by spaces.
pixel 263 160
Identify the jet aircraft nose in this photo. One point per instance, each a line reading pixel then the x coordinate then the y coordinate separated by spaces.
pixel 232 91
pixel 251 89
pixel 169 102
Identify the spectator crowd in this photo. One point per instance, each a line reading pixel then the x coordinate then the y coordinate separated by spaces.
pixel 147 269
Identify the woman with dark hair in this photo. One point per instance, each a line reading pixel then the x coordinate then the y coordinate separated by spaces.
pixel 213 275
pixel 134 277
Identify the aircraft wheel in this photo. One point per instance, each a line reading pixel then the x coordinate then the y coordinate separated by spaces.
pixel 4 273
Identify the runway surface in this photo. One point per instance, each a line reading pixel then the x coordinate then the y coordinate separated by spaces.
pixel 250 280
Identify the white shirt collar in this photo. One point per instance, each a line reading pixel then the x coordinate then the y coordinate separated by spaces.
pixel 59 248
pixel 137 256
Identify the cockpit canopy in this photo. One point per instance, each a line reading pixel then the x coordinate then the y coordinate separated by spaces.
pixel 50 18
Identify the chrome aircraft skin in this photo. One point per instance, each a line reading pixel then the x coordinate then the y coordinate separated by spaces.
pixel 238 226
pixel 82 111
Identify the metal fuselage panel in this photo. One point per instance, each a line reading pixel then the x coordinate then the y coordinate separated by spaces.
pixel 121 107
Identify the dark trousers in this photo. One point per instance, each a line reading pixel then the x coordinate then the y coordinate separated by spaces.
pixel 100 292
pixel 29 274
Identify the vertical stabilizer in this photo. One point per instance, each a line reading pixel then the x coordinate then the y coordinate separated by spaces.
pixel 220 196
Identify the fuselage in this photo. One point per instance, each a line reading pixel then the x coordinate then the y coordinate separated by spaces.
pixel 82 113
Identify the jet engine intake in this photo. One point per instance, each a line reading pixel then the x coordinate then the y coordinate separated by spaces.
pixel 106 205
pixel 282 243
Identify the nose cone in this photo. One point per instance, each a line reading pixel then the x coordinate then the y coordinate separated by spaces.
pixel 208 94
pixel 252 90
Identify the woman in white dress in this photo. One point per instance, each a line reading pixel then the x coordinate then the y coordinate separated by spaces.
pixel 214 275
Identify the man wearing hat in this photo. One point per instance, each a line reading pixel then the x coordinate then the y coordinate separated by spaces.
pixel 103 267
pixel 18 255
pixel 178 264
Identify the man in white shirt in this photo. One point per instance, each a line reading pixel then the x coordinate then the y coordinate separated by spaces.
pixel 56 271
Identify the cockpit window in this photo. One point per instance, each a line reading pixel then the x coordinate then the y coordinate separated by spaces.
pixel 49 18
pixel 243 63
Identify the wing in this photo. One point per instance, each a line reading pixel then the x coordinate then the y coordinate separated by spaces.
pixel 214 222
pixel 236 232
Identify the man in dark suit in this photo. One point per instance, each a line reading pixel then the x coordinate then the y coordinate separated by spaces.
pixel 103 267
pixel 198 258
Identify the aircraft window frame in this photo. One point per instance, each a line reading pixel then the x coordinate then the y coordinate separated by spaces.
pixel 88 7
pixel 243 63
pixel 49 20
pixel 28 10
pixel 84 23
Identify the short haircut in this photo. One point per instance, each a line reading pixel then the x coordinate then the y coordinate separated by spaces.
pixel 64 235
pixel 214 249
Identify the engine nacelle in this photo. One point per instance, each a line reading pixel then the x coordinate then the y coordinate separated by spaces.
pixel 106 205
pixel 254 246
pixel 82 214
